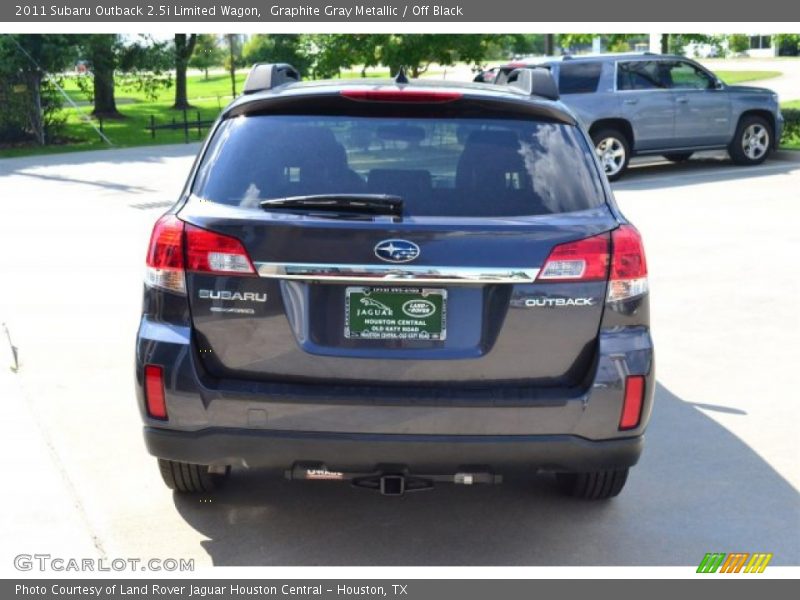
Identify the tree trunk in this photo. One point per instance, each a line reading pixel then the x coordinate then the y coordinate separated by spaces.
pixel 105 105
pixel 549 44
pixel 183 52
pixel 665 43
pixel 232 48
pixel 37 118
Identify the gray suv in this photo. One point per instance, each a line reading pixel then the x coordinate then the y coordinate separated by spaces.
pixel 639 104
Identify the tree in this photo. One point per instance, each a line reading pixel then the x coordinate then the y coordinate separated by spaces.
pixel 417 52
pixel 184 47
pixel 28 64
pixel 101 50
pixel 207 53
pixel 295 49
pixel 234 57
pixel 141 64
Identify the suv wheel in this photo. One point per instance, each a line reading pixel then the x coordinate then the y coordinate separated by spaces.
pixel 752 141
pixel 678 156
pixel 596 485
pixel 187 478
pixel 613 151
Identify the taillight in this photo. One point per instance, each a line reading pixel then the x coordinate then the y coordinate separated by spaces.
pixel 154 391
pixel 165 256
pixel 582 260
pixel 632 403
pixel 628 277
pixel 210 252
pixel 400 95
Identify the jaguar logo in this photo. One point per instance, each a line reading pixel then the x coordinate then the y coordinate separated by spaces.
pixel 396 251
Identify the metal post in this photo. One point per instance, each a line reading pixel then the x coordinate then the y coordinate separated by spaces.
pixel 152 126
pixel 185 127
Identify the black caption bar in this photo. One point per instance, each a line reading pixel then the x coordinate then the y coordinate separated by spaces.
pixel 740 11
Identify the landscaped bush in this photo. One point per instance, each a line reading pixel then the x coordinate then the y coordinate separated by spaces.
pixel 791 129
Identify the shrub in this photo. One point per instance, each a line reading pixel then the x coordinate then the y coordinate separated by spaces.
pixel 791 128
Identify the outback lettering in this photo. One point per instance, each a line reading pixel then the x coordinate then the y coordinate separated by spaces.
pixel 549 302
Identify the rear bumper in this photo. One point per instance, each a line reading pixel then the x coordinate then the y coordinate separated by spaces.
pixel 421 453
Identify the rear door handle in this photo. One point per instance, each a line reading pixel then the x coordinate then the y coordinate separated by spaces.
pixel 682 100
pixel 630 101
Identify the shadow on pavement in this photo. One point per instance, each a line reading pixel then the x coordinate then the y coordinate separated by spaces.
pixel 142 154
pixel 654 175
pixel 697 489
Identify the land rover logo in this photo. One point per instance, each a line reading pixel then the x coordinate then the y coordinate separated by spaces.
pixel 419 308
pixel 396 251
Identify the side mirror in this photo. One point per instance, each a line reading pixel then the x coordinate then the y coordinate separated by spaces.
pixel 717 84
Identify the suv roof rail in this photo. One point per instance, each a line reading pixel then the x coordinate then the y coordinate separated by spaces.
pixel 267 76
pixel 536 81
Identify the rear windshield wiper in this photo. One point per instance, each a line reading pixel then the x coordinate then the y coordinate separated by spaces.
pixel 375 204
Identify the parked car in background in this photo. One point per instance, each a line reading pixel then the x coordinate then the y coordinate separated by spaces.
pixel 645 104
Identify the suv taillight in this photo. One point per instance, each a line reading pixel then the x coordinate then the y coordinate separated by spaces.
pixel 206 252
pixel 589 260
pixel 628 277
pixel 210 252
pixel 582 260
pixel 165 256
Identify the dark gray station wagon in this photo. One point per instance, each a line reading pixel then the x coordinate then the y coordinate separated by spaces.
pixel 395 284
pixel 644 104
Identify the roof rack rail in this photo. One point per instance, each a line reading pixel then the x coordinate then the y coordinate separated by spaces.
pixel 536 81
pixel 267 76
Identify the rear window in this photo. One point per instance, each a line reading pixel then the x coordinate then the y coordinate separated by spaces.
pixel 579 78
pixel 640 75
pixel 440 167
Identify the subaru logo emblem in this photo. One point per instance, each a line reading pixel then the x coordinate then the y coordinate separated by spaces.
pixel 396 251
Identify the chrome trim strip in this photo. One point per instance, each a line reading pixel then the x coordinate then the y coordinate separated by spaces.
pixel 394 273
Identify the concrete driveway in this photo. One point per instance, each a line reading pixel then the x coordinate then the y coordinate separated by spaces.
pixel 719 472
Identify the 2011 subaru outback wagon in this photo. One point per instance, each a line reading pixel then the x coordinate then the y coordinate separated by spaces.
pixel 395 284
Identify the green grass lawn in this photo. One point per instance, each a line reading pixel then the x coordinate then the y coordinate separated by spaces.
pixel 734 77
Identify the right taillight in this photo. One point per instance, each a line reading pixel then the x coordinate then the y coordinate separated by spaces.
pixel 165 256
pixel 628 276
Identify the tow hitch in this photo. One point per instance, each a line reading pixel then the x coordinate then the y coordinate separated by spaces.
pixel 391 480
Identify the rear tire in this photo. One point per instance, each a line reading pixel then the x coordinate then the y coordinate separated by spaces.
pixel 677 157
pixel 613 150
pixel 595 485
pixel 752 142
pixel 187 478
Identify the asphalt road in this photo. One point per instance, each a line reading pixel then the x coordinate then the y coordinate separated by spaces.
pixel 720 470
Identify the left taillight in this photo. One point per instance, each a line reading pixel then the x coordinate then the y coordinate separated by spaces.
pixel 582 260
pixel 165 265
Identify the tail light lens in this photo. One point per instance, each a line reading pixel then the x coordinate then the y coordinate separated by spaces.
pixel 154 391
pixel 165 256
pixel 210 252
pixel 628 277
pixel 632 404
pixel 583 260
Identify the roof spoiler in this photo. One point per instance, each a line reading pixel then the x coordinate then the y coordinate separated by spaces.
pixel 268 76
pixel 536 81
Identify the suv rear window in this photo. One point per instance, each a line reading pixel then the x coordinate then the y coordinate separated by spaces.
pixel 640 75
pixel 440 167
pixel 579 77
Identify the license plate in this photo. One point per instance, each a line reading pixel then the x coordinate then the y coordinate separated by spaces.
pixel 389 313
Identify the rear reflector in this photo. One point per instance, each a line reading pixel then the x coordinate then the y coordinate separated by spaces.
pixel 154 391
pixel 165 256
pixel 583 260
pixel 632 404
pixel 628 277
pixel 210 252
pixel 400 95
